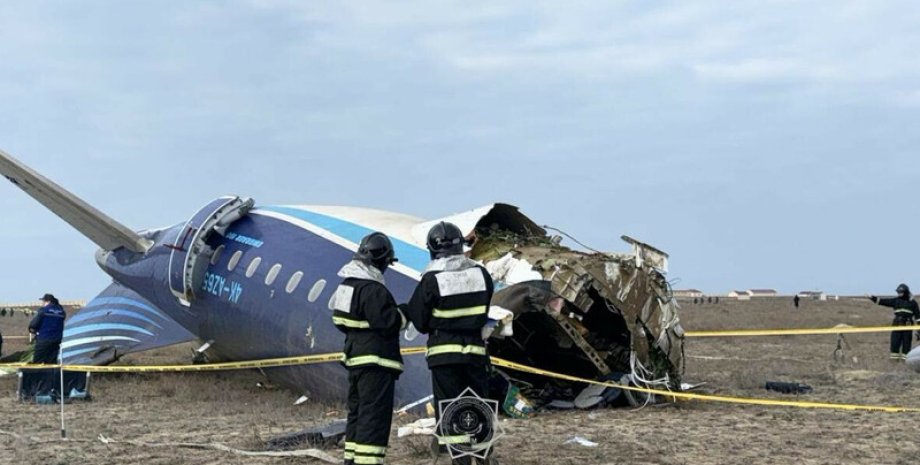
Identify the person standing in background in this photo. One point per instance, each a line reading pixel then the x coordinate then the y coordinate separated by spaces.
pixel 906 311
pixel 47 329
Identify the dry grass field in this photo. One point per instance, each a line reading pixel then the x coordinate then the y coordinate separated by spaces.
pixel 230 409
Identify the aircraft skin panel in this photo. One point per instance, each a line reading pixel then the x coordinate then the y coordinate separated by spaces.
pixel 117 322
pixel 131 314
pixel 412 258
pixel 265 321
pixel 396 225
pixel 466 221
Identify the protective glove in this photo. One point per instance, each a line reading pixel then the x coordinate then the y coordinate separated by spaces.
pixel 488 329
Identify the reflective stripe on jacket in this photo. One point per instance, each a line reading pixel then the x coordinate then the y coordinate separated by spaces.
pixel 451 305
pixel 366 312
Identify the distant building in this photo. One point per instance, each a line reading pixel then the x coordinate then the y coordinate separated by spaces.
pixel 688 293
pixel 740 295
pixel 814 295
pixel 762 292
pixel 29 308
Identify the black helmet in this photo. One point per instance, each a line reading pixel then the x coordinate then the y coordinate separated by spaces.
pixel 903 290
pixel 376 249
pixel 445 239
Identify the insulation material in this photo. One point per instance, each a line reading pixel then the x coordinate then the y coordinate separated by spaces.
pixel 509 270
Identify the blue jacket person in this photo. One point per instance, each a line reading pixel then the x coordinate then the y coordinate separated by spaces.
pixel 47 327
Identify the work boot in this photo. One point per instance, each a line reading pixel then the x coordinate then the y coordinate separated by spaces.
pixel 437 448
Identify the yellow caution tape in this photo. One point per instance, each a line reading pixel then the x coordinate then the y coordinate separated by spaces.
pixel 704 397
pixel 499 362
pixel 800 332
pixel 765 332
pixel 224 366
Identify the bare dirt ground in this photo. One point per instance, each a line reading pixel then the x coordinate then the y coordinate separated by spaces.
pixel 229 409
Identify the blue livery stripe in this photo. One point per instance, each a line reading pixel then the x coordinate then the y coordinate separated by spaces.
pixel 409 255
pixel 107 312
pixel 121 301
pixel 74 353
pixel 94 339
pixel 73 331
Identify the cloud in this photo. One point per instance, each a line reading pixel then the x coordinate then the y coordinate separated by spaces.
pixel 846 44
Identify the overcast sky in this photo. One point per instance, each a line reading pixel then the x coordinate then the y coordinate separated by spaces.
pixel 762 143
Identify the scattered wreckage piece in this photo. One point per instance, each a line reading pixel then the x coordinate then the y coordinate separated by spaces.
pixel 594 315
pixel 324 436
pixel 580 441
pixel 788 388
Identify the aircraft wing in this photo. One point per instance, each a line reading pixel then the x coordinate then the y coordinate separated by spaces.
pixel 97 226
pixel 118 322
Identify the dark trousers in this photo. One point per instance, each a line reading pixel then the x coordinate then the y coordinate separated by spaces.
pixel 46 352
pixel 370 413
pixel 449 381
pixel 901 340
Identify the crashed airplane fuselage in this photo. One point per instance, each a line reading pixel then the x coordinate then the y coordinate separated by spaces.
pixel 254 283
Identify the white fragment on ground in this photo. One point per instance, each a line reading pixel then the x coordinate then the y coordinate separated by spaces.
pixel 581 442
pixel 423 427
pixel 690 387
pixel 302 400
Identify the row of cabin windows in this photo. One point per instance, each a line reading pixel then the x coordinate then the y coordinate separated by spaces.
pixel 272 275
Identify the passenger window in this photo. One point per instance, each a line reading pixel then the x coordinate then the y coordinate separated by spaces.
pixel 294 282
pixel 316 290
pixel 216 256
pixel 253 266
pixel 272 274
pixel 234 260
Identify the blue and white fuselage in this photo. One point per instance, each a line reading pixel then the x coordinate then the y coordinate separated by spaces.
pixel 264 293
pixel 254 283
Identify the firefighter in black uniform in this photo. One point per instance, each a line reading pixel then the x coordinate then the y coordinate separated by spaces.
pixel 451 305
pixel 906 312
pixel 366 312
